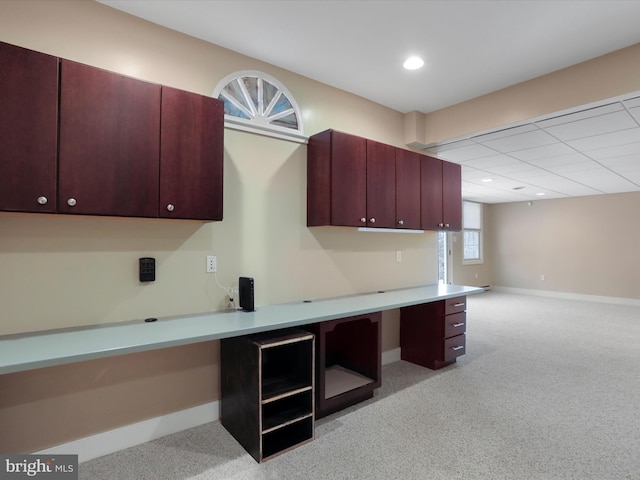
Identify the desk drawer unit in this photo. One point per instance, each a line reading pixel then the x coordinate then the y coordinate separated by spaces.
pixel 433 334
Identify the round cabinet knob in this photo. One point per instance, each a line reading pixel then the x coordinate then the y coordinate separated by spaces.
pixel 441 225
pixel 372 220
pixel 400 222
pixel 170 207
pixel 363 220
pixel 43 200
pixel 71 202
pixel 447 225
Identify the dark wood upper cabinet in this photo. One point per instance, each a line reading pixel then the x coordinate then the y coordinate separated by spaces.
pixel 28 130
pixel 452 196
pixel 81 140
pixel 191 156
pixel 109 143
pixel 441 192
pixel 348 180
pixel 407 189
pixel 431 193
pixel 352 181
pixel 336 180
pixel 381 185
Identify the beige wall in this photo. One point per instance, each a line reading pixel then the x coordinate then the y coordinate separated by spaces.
pixel 584 245
pixel 59 271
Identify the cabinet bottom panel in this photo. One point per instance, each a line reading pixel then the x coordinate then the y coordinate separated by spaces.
pixel 339 380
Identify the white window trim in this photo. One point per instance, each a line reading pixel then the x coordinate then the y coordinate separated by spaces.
pixel 258 124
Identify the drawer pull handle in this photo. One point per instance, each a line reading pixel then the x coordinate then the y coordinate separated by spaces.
pixel 457 324
pixel 459 305
pixel 459 347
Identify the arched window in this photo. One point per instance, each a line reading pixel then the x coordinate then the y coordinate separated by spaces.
pixel 258 103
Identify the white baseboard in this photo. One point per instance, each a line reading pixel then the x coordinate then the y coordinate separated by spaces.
pixel 391 356
pixel 634 302
pixel 130 435
pixel 137 433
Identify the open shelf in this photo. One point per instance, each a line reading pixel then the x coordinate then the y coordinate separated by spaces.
pixel 348 361
pixel 286 410
pixel 267 390
pixel 285 438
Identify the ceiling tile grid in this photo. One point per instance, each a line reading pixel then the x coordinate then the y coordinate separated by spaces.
pixel 591 151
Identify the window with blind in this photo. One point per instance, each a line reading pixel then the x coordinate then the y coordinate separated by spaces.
pixel 472 232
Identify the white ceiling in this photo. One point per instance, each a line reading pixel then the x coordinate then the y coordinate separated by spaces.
pixel 588 152
pixel 470 48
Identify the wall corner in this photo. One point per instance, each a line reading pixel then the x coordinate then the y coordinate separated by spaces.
pixel 414 129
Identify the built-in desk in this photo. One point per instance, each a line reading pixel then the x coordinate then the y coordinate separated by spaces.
pixel 56 347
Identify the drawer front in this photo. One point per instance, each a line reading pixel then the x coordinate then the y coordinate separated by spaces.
pixel 455 324
pixel 455 305
pixel 454 347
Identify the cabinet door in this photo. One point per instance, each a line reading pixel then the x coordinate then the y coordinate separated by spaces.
pixel 381 185
pixel 28 130
pixel 431 193
pixel 407 189
pixel 452 196
pixel 109 143
pixel 191 156
pixel 348 180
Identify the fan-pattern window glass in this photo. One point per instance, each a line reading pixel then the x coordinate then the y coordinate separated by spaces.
pixel 256 102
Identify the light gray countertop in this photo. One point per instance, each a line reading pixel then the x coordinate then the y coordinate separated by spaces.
pixel 56 347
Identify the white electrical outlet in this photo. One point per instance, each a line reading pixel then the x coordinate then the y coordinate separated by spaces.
pixel 212 264
pixel 398 255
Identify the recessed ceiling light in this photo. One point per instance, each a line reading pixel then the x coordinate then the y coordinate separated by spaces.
pixel 541 194
pixel 413 63
pixel 487 180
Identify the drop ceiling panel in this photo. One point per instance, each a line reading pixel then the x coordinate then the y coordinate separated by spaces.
pixel 592 151
pixel 579 115
pixel 625 164
pixel 636 113
pixel 510 168
pixel 615 151
pixel 632 102
pixel 590 127
pixel 543 152
pixel 490 162
pixel 522 141
pixel 555 161
pixel 572 169
pixel 612 139
pixel 465 153
pixel 507 132
pixel 526 175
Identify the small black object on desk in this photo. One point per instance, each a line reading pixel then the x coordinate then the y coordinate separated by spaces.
pixel 245 285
